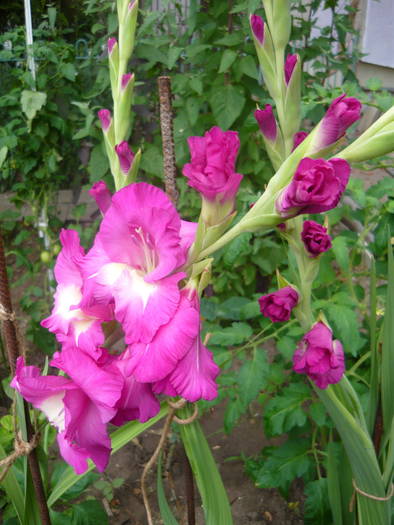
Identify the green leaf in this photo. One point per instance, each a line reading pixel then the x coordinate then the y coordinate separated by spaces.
pixel 235 249
pixel 196 84
pixel 388 347
pixel 230 308
pixel 215 502
pixel 173 55
pixel 232 39
pixel 90 512
pixel 248 67
pixel 232 335
pixel 12 488
pixel 227 103
pixel 374 83
pixel 193 109
pixel 285 463
pixel 284 411
pixel 32 102
pixel 253 376
pixel 68 71
pixel 119 439
pixel 98 164
pixel 3 154
pixel 165 512
pixel 341 251
pixel 233 412
pixel 316 509
pixel 346 326
pixel 227 60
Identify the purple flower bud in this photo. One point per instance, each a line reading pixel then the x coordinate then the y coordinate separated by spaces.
pixel 126 79
pixel 101 195
pixel 341 114
pixel 211 170
pixel 299 137
pixel 125 156
pixel 315 238
pixel 278 305
pixel 266 121
pixel 131 5
pixel 317 186
pixel 110 44
pixel 319 357
pixel 257 25
pixel 291 61
pixel 105 118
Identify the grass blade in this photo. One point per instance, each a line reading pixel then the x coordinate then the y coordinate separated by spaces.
pixel 214 498
pixel 388 348
pixel 119 438
pixel 13 489
pixel 165 512
pixel 374 377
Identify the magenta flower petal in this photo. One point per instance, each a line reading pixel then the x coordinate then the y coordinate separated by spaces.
pixel 155 360
pixel 299 137
pixel 318 356
pixel 341 114
pixel 315 238
pixel 267 123
pixel 291 61
pixel 105 118
pixel 194 376
pixel 212 167
pixel 278 305
pixel 112 42
pixel 126 79
pixel 317 186
pixel 101 194
pixel 257 25
pixel 125 156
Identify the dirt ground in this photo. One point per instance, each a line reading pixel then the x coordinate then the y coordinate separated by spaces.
pixel 250 505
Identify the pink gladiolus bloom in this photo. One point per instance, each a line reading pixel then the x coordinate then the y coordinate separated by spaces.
pixel 101 194
pixel 266 121
pixel 316 186
pixel 318 356
pixel 137 400
pixel 212 167
pixel 315 238
pixel 341 114
pixel 111 44
pixel 72 324
pixel 79 407
pixel 153 361
pixel 126 79
pixel 125 156
pixel 278 305
pixel 299 137
pixel 105 118
pixel 257 25
pixel 134 259
pixel 193 378
pixel 291 61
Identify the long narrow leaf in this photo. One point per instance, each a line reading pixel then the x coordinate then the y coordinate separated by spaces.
pixel 361 455
pixel 214 498
pixel 333 484
pixel 119 438
pixel 388 348
pixel 165 512
pixel 12 489
pixel 374 377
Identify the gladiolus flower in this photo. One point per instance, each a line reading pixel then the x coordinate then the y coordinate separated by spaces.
pixel 267 122
pixel 72 324
pixel 101 194
pixel 315 238
pixel 125 156
pixel 278 305
pixel 212 167
pixel 341 114
pixel 257 25
pixel 291 61
pixel 319 357
pixel 112 42
pixel 79 407
pixel 105 118
pixel 316 186
pixel 299 137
